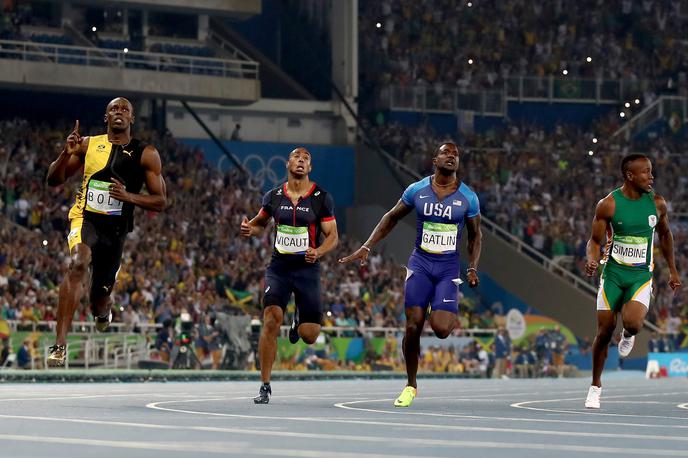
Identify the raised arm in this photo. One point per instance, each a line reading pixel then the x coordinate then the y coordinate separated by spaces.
pixel 156 198
pixel 383 228
pixel 70 160
pixel 666 241
pixel 603 216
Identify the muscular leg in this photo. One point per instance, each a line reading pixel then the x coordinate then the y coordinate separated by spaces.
pixel 71 290
pixel 267 345
pixel 309 332
pixel 415 319
pixel 632 316
pixel 606 322
pixel 100 305
pixel 442 322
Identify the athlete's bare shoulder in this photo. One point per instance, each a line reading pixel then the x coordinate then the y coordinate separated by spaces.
pixel 660 203
pixel 605 207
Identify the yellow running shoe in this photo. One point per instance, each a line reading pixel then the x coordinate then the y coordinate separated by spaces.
pixel 406 397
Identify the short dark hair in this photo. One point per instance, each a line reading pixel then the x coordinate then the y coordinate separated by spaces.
pixel 628 159
pixel 439 147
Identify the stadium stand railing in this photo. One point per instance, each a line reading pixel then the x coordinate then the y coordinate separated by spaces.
pixel 662 107
pixel 150 61
pixel 439 99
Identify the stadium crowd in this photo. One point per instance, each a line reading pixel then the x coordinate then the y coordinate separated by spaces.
pixel 455 44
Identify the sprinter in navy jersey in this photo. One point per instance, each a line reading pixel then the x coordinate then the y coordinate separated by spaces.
pixel 303 213
pixel 443 206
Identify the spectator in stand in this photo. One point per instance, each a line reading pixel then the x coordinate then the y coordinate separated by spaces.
pixel 502 353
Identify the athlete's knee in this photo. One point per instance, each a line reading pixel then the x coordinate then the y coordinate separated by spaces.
pixel 443 331
pixel 272 319
pixel 78 268
pixel 632 328
pixel 309 332
pixel 604 335
pixel 413 328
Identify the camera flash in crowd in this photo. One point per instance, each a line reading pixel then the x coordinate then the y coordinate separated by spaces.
pixel 470 61
pixel 565 72
pixel 45 243
pixel 637 101
pixel 378 25
pixel 594 139
pixel 589 59
pixel 591 152
pixel 94 28
pixel 622 114
pixel 627 104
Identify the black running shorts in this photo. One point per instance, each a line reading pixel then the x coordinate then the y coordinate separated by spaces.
pixel 282 278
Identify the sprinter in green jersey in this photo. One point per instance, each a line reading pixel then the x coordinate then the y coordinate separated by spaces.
pixel 630 216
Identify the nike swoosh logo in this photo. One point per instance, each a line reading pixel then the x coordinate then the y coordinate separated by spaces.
pixel 423 197
pixel 448 300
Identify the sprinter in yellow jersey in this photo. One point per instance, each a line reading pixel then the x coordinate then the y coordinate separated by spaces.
pixel 629 216
pixel 115 168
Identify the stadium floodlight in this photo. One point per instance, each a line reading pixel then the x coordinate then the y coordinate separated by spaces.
pixel 637 101
pixel 622 114
pixel 627 104
pixel 589 59
pixel 594 139
pixel 565 72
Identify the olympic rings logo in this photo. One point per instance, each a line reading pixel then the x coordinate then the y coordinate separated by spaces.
pixel 272 172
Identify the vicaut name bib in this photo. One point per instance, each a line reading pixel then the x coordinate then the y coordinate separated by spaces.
pixel 291 240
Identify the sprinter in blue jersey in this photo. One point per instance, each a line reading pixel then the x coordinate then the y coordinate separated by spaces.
pixel 443 206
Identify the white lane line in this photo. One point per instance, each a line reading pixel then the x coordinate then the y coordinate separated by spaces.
pixel 156 405
pixel 525 405
pixel 80 396
pixel 347 406
pixel 422 442
pixel 224 448
pixel 683 406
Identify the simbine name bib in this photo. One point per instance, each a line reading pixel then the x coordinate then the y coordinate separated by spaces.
pixel 291 240
pixel 439 238
pixel 98 199
pixel 630 250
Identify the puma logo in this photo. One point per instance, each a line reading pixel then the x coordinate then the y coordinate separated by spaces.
pixel 128 153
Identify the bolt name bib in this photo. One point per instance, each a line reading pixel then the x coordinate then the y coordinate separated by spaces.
pixel 98 199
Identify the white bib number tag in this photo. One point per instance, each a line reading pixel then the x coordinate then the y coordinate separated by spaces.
pixel 291 240
pixel 98 199
pixel 439 238
pixel 630 251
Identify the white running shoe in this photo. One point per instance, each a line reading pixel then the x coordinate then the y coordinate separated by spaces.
pixel 625 345
pixel 593 399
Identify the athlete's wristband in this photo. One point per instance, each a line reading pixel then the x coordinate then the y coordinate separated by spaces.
pixel 366 248
pixel 473 269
